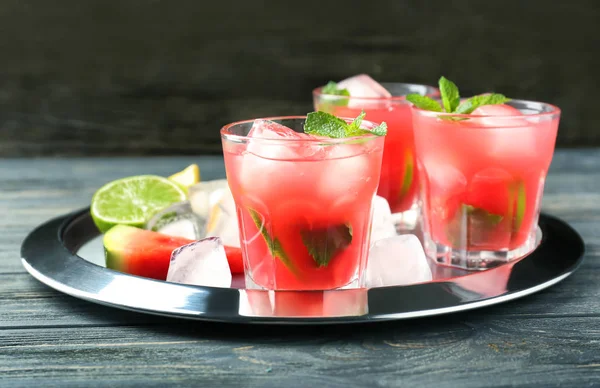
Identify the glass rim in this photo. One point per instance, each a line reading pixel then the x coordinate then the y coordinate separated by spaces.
pixel 227 135
pixel 553 111
pixel 435 92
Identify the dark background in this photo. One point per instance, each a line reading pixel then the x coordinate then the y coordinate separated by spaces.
pixel 133 77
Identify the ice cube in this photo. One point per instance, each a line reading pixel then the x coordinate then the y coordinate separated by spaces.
pixel 204 195
pixel 383 223
pixel 347 165
pixel 364 86
pixel 443 177
pixel 223 222
pixel 266 129
pixel 496 110
pixel 397 260
pixel 266 159
pixel 509 137
pixel 201 263
pixel 445 182
pixel 214 201
pixel 178 220
pixel 496 113
pixel 181 228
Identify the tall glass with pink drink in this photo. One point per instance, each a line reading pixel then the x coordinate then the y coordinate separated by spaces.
pixel 384 102
pixel 304 201
pixel 483 175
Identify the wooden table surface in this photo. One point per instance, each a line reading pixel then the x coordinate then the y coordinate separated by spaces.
pixel 549 339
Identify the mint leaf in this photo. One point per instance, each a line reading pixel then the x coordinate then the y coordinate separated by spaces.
pixel 450 95
pixel 332 96
pixel 487 218
pixel 475 102
pixel 424 102
pixel 273 245
pixel 471 226
pixel 355 130
pixel 331 88
pixel 326 124
pixel 451 101
pixel 324 244
pixel 451 118
pixel 357 121
pixel 380 130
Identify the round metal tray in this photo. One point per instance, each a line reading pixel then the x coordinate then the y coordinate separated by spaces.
pixel 52 254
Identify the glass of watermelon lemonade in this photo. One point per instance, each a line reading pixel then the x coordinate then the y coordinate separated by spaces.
pixel 304 203
pixel 482 178
pixel 399 176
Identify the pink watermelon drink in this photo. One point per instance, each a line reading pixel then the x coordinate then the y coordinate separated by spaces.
pixel 483 169
pixel 383 103
pixel 303 200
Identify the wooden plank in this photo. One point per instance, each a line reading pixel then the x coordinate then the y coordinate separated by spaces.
pixel 117 78
pixel 468 351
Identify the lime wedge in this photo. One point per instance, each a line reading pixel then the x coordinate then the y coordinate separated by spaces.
pixel 187 177
pixel 408 173
pixel 519 196
pixel 133 200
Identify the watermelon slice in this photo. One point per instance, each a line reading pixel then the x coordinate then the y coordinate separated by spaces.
pixel 146 253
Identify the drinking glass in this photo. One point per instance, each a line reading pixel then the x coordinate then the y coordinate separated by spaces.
pixel 482 180
pixel 304 205
pixel 399 173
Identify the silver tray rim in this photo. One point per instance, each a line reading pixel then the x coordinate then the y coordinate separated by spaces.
pixel 48 254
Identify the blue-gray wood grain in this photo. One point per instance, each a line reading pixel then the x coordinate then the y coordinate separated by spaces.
pixel 551 339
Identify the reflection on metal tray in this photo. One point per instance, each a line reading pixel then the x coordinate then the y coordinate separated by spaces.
pixel 53 253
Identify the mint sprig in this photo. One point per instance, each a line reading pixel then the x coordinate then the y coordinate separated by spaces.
pixel 331 88
pixel 424 102
pixel 331 97
pixel 451 100
pixel 357 121
pixel 324 244
pixel 450 94
pixel 326 124
pixel 475 102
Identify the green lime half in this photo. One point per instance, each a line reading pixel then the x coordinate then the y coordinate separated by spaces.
pixel 133 200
